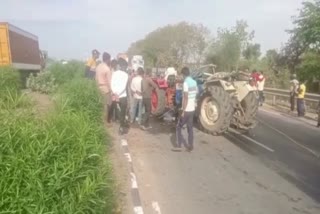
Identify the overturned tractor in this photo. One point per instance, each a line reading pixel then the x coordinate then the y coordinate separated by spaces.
pixel 224 100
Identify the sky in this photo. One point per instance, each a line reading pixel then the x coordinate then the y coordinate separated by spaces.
pixel 70 29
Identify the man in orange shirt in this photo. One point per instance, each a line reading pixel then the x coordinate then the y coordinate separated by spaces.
pixel 103 78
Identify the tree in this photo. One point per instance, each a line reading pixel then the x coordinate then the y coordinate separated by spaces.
pixel 173 44
pixel 305 36
pixel 226 50
pixel 252 52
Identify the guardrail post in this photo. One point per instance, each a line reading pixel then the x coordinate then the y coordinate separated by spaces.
pixel 274 100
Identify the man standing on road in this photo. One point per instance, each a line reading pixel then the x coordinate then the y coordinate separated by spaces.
pixel 300 100
pixel 119 82
pixel 188 108
pixel 136 91
pixel 147 87
pixel 92 64
pixel 103 78
pixel 261 82
pixel 294 85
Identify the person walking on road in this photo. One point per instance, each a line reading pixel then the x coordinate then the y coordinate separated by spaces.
pixel 136 91
pixel 188 108
pixel 294 85
pixel 92 64
pixel 147 87
pixel 119 82
pixel 300 100
pixel 103 79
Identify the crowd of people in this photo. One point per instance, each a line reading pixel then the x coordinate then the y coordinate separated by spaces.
pixel 127 94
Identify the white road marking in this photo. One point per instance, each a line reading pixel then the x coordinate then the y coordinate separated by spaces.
pixel 271 112
pixel 138 210
pixel 156 207
pixel 124 142
pixel 292 140
pixel 134 184
pixel 128 156
pixel 252 140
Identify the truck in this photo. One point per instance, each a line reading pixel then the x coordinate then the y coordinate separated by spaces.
pixel 20 49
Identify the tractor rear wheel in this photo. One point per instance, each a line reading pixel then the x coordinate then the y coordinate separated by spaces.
pixel 250 105
pixel 215 111
pixel 158 102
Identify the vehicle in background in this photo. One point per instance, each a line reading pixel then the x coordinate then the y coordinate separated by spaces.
pixel 20 49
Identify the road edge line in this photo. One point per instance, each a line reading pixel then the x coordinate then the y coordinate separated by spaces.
pixel 135 194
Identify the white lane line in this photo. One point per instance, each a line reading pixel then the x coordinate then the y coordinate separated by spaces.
pixel 156 207
pixel 292 140
pixel 124 142
pixel 128 156
pixel 138 210
pixel 252 140
pixel 271 112
pixel 134 184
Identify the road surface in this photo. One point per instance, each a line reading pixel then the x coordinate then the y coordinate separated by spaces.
pixel 273 169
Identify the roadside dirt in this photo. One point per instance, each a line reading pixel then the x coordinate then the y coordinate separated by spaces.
pixel 121 173
pixel 43 102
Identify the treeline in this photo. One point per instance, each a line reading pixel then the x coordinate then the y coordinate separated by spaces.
pixel 233 48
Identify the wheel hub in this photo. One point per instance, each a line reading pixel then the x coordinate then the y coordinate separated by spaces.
pixel 210 111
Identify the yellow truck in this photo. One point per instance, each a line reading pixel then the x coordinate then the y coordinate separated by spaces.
pixel 20 49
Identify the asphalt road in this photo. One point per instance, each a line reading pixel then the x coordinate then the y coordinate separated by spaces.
pixel 296 145
pixel 273 169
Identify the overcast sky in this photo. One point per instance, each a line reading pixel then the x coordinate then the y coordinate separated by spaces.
pixel 72 28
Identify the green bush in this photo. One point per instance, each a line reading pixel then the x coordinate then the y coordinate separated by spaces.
pixel 63 73
pixel 9 81
pixel 43 82
pixel 82 95
pixel 54 166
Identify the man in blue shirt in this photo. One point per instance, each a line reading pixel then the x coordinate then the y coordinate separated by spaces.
pixel 188 108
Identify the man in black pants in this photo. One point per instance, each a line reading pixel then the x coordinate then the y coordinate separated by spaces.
pixel 188 107
pixel 147 87
pixel 119 82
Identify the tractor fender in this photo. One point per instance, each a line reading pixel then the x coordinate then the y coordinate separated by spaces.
pixel 243 88
pixel 227 86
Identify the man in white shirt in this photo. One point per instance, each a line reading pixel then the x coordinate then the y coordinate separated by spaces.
pixel 188 107
pixel 119 81
pixel 260 84
pixel 135 87
pixel 294 86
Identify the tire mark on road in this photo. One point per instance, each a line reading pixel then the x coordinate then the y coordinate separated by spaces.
pixel 251 140
pixel 317 155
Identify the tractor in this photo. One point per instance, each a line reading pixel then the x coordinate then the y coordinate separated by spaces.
pixel 224 99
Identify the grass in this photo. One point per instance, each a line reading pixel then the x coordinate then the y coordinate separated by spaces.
pixel 57 164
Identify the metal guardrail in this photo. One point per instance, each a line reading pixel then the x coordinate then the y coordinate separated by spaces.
pixel 282 97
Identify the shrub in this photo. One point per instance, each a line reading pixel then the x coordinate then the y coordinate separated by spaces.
pixel 54 166
pixel 43 82
pixel 9 81
pixel 63 73
pixel 82 95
